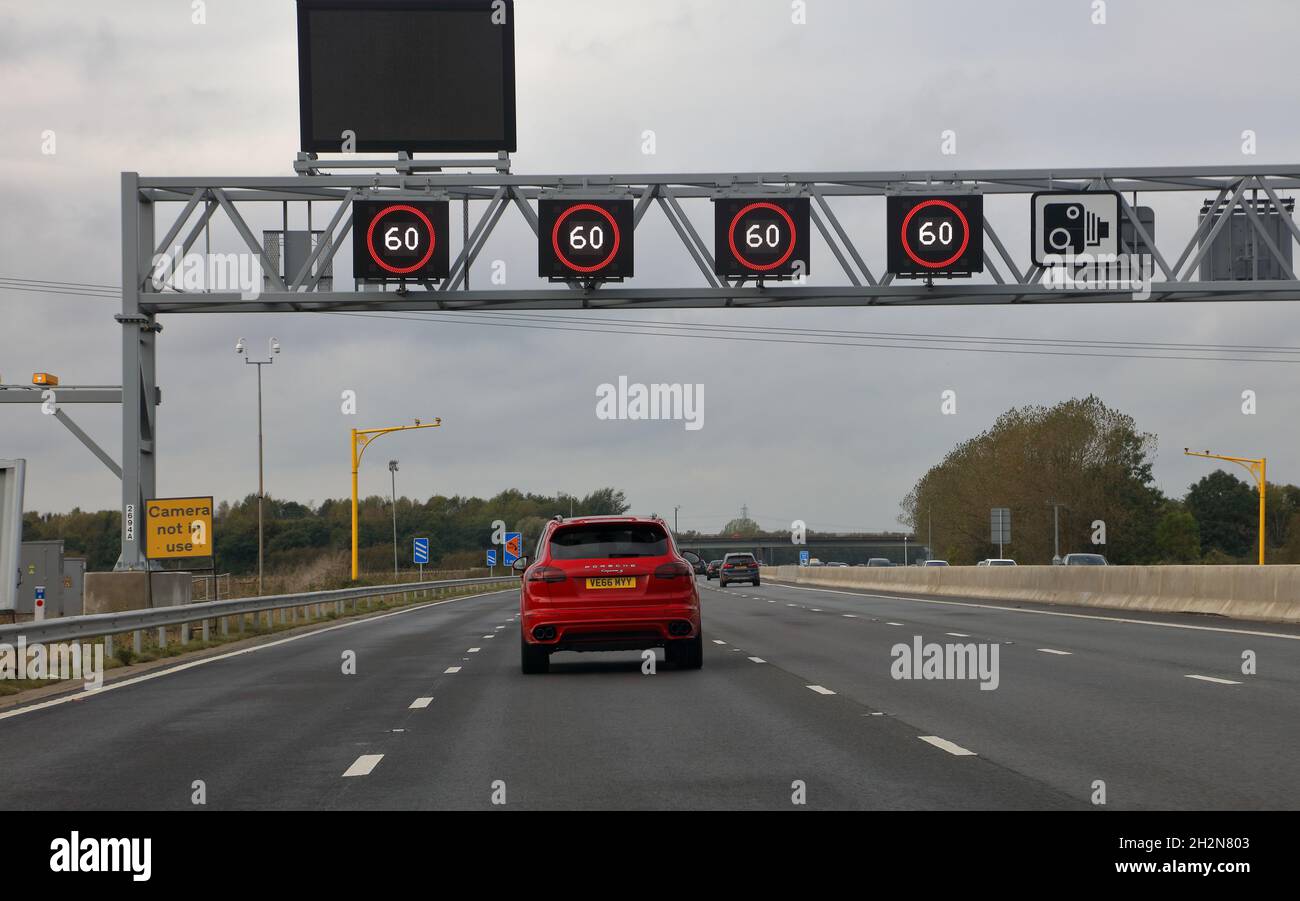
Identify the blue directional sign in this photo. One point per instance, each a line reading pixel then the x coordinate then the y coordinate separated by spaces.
pixel 421 551
pixel 492 558
pixel 514 548
pixel 803 558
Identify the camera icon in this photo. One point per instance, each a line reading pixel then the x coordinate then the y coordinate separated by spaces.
pixel 1070 229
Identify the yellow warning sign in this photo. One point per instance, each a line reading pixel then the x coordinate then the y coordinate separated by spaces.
pixel 178 527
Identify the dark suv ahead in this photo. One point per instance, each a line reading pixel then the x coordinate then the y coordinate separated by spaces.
pixel 608 583
pixel 738 568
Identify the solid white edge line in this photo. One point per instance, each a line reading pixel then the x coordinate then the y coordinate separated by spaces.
pixel 146 677
pixel 420 703
pixel 1214 679
pixel 943 744
pixel 363 765
pixel 1111 619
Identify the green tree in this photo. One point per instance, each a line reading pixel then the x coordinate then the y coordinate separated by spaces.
pixel 1227 511
pixel 742 528
pixel 1178 537
pixel 1080 453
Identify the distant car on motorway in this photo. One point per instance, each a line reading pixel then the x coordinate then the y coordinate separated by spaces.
pixel 1084 560
pixel 935 563
pixel 711 571
pixel 696 561
pixel 880 561
pixel 738 568
pixel 608 583
pixel 997 561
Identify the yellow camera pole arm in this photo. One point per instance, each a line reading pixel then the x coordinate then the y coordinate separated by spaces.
pixel 361 439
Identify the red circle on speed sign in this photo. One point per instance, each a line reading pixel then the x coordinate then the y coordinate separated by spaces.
pixel 400 208
pixel 555 237
pixel 731 236
pixel 965 234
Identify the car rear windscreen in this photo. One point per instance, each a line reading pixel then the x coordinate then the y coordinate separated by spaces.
pixel 741 558
pixel 637 539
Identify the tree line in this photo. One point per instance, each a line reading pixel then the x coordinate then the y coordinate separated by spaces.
pixel 1096 465
pixel 459 528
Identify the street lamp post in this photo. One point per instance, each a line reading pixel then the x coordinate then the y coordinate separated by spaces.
pixel 392 471
pixel 676 507
pixel 273 348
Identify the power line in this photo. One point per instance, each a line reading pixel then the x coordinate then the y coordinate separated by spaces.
pixel 1075 347
pixel 468 318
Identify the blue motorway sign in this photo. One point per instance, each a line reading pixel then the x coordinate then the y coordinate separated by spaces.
pixel 803 558
pixel 492 557
pixel 514 548
pixel 421 550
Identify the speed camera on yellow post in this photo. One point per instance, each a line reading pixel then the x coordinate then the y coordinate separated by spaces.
pixel 176 527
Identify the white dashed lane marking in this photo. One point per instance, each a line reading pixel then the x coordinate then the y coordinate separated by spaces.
pixel 849 615
pixel 1215 680
pixel 364 765
pixel 474 650
pixel 1054 651
pixel 758 660
pixel 944 744
pixel 451 669
pixel 820 690
pixel 957 634
pixel 718 641
pixel 893 624
pixel 420 703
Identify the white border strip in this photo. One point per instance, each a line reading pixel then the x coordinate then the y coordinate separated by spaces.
pixel 1111 619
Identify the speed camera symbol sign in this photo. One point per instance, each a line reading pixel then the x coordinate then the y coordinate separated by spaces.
pixel 1067 224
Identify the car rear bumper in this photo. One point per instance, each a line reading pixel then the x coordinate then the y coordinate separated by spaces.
pixel 740 575
pixel 611 628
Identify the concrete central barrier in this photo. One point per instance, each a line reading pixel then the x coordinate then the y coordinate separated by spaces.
pixel 1266 593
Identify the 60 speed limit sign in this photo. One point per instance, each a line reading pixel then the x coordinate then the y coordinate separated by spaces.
pixel 763 237
pixel 400 239
pixel 584 239
pixel 935 235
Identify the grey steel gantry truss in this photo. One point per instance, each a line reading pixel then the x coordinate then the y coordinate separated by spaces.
pixel 202 199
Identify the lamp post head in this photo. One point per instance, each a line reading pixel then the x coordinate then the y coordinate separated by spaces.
pixel 392 466
pixel 275 345
pixel 239 346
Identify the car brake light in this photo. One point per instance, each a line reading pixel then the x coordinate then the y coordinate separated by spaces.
pixel 546 574
pixel 673 571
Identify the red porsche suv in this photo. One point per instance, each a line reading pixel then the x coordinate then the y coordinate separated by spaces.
pixel 608 583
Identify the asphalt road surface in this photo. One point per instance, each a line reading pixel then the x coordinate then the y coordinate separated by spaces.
pixel 796 701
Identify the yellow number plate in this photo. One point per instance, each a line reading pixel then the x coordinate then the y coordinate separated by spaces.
pixel 612 582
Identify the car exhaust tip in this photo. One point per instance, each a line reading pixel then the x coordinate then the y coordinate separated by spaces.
pixel 544 633
pixel 679 628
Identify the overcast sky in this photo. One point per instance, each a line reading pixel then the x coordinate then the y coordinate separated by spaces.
pixel 833 436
